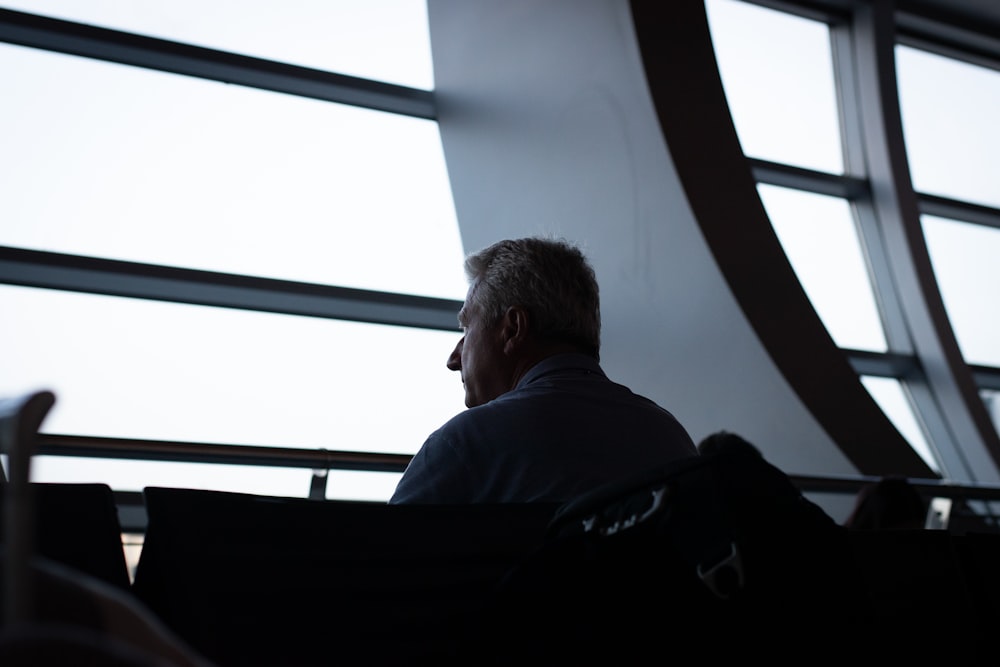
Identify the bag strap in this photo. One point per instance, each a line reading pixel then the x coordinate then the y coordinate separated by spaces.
pixel 682 503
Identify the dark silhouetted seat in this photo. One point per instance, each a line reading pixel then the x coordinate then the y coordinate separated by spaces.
pixel 77 525
pixel 917 594
pixel 257 580
pixel 979 559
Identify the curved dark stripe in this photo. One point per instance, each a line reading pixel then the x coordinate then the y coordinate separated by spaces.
pixel 694 117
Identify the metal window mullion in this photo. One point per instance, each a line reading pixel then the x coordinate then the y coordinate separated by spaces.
pixel 987 377
pixel 976 45
pixel 30 268
pixel 167 56
pixel 882 364
pixel 905 367
pixel 965 436
pixel 944 207
pixel 808 180
pixel 866 222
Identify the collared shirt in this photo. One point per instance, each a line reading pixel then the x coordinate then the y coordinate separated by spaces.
pixel 563 430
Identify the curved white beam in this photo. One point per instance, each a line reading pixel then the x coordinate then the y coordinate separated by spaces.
pixel 549 126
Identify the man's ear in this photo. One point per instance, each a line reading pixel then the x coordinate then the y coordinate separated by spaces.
pixel 514 329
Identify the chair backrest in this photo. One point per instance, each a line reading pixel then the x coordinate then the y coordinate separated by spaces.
pixel 260 580
pixel 911 576
pixel 76 524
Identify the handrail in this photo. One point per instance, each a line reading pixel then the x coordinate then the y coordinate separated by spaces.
pixel 927 487
pixel 320 461
pixel 50 444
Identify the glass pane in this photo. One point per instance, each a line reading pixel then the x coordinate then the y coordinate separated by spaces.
pixel 113 161
pixel 889 394
pixel 361 485
pixel 386 40
pixel 143 369
pixel 964 257
pixel 777 71
pixel 821 242
pixel 129 475
pixel 949 111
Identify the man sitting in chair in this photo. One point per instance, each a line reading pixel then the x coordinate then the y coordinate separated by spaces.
pixel 544 423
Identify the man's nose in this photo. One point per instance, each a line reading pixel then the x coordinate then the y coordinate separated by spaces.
pixel 455 358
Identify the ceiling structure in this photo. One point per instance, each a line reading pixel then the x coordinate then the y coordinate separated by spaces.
pixel 627 146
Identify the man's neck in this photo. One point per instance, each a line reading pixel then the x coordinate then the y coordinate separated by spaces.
pixel 535 353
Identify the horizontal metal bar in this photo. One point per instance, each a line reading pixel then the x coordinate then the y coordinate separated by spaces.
pixel 50 444
pixel 33 268
pixel 168 56
pixel 943 207
pixel 818 182
pixel 986 377
pixel 193 452
pixel 972 40
pixel 882 364
pixel 926 487
pixel 902 367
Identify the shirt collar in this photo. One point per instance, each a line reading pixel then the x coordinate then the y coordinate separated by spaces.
pixel 561 362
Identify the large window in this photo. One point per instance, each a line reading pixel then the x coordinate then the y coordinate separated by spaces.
pixel 132 164
pixel 790 83
pixel 258 264
pixel 232 225
pixel 778 74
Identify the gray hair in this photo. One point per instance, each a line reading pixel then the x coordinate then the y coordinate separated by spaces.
pixel 550 278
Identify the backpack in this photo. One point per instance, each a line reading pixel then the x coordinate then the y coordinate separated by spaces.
pixel 719 555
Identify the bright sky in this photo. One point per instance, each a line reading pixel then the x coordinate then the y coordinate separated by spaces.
pixel 165 169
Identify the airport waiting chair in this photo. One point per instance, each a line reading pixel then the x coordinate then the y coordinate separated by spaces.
pixel 76 524
pixel 260 580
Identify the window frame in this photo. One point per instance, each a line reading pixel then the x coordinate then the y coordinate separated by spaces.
pixel 946 400
pixel 75 273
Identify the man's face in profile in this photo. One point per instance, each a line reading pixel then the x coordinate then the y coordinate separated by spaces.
pixel 479 357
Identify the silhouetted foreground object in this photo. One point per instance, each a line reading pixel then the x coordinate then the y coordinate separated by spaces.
pixel 54 614
pixel 79 619
pixel 914 578
pixel 891 503
pixel 714 557
pixel 259 580
pixel 722 441
pixel 77 525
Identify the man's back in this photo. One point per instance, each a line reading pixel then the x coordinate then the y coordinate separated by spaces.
pixel 564 430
